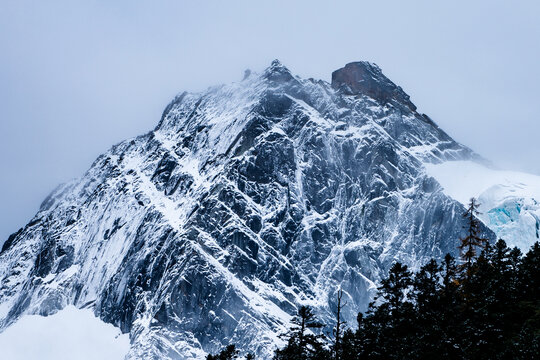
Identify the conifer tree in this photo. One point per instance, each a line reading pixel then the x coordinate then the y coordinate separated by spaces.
pixel 449 315
pixel 394 287
pixel 427 298
pixel 501 299
pixel 472 240
pixel 530 274
pixel 477 292
pixel 303 343
pixel 390 325
pixel 426 287
pixel 529 293
pixel 229 353
pixel 350 348
pixel 339 327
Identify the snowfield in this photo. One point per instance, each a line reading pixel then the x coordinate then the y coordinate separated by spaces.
pixel 509 200
pixel 69 334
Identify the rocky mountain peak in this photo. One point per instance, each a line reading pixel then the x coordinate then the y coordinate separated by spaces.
pixel 365 78
pixel 278 72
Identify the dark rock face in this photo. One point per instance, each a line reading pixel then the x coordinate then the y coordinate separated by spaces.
pixel 245 202
pixel 367 79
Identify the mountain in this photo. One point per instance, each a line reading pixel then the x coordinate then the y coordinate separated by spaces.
pixel 246 201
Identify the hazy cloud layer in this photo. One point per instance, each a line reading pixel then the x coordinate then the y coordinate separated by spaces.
pixel 77 77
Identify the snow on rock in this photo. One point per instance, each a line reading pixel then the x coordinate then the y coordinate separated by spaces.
pixel 509 200
pixel 69 334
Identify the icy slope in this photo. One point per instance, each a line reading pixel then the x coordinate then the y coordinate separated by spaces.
pixel 246 201
pixel 509 200
pixel 66 335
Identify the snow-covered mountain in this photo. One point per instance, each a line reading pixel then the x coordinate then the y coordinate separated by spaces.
pixel 246 201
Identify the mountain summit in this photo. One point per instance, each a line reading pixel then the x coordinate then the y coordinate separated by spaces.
pixel 245 202
pixel 364 78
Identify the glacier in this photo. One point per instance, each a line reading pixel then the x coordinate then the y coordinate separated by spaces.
pixel 509 200
pixel 246 201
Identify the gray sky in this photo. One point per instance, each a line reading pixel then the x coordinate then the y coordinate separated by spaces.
pixel 77 77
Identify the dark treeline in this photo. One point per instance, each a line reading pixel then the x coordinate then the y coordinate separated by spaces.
pixel 487 306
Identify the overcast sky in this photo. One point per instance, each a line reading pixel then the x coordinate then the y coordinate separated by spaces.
pixel 77 77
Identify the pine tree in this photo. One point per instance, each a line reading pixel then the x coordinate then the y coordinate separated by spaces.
pixel 477 294
pixel 390 326
pixel 501 299
pixel 529 293
pixel 426 288
pixel 229 353
pixel 427 297
pixel 339 328
pixel 472 240
pixel 450 317
pixel 394 287
pixel 530 274
pixel 302 343
pixel 350 346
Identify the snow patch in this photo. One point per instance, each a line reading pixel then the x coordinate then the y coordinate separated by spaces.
pixel 69 334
